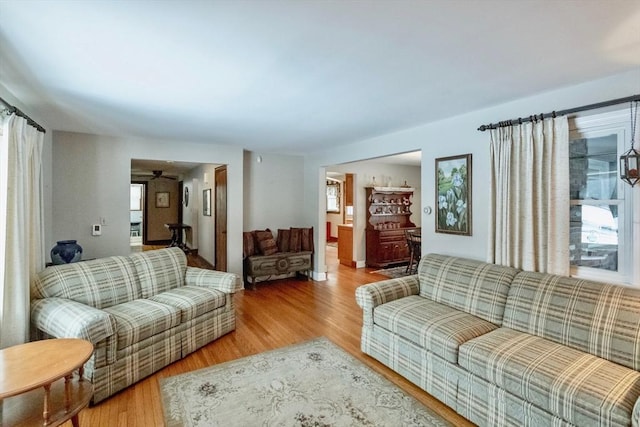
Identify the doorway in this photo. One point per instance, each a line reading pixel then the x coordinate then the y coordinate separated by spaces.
pixel 221 218
pixel 399 170
pixel 136 214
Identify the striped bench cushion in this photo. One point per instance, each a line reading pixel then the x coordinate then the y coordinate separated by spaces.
pixel 578 387
pixel 436 327
pixel 472 286
pixel 193 301
pixel 141 319
pixel 600 319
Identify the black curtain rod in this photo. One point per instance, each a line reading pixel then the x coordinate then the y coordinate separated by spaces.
pixel 521 120
pixel 13 109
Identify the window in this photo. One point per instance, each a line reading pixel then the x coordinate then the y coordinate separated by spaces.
pixel 600 246
pixel 333 196
pixel 135 199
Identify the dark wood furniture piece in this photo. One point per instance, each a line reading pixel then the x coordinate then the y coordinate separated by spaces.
pixel 388 217
pixel 293 254
pixel 277 264
pixel 30 391
pixel 176 235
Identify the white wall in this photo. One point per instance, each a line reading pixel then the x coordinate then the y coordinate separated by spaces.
pixel 192 211
pixel 274 192
pixel 453 136
pixel 207 224
pixel 91 178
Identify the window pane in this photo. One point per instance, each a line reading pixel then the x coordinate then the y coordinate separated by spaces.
pixel 594 236
pixel 135 197
pixel 593 166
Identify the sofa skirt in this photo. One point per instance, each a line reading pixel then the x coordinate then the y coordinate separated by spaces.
pixel 430 372
pixel 486 404
pixel 112 378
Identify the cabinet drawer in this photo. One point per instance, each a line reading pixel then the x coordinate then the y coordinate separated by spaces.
pixel 395 236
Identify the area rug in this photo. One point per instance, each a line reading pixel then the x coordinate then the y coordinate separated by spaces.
pixel 393 272
pixel 310 384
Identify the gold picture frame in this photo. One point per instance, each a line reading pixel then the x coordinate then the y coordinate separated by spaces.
pixel 453 195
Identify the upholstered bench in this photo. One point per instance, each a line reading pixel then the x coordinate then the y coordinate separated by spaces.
pixel 266 257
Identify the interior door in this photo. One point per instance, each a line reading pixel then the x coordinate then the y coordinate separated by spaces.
pixel 221 218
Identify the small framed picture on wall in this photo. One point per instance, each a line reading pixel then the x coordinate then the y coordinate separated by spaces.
pixel 162 199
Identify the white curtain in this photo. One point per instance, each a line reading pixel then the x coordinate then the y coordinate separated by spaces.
pixel 529 211
pixel 21 225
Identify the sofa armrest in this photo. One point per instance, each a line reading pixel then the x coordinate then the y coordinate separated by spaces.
pixel 64 318
pixel 374 294
pixel 226 282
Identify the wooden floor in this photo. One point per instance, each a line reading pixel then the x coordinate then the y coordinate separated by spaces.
pixel 277 314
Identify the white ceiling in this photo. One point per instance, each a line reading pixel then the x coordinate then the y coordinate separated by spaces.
pixel 294 76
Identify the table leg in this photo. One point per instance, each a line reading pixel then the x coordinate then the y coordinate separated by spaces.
pixel 67 391
pixel 74 421
pixel 174 237
pixel 45 411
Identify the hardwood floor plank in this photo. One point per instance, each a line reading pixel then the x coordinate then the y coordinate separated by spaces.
pixel 276 314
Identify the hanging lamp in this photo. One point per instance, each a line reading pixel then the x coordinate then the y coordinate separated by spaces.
pixel 630 161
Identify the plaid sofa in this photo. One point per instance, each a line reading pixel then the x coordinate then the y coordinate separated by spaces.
pixel 503 347
pixel 141 312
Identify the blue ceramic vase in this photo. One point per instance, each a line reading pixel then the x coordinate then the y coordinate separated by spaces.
pixel 65 252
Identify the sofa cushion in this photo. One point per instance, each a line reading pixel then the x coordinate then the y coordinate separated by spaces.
pixel 436 327
pixel 98 283
pixel 284 236
pixel 475 287
pixel 578 387
pixel 160 270
pixel 295 244
pixel 193 301
pixel 306 239
pixel 301 239
pixel 597 318
pixel 141 319
pixel 267 245
pixel 248 244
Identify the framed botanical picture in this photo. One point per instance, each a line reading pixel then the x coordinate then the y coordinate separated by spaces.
pixel 206 202
pixel 162 199
pixel 453 195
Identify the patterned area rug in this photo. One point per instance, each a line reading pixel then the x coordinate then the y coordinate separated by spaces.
pixel 393 272
pixel 310 384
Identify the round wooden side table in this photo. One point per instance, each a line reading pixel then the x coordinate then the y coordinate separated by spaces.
pixel 30 393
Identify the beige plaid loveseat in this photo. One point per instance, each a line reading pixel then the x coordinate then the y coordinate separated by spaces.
pixel 141 312
pixel 503 347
